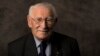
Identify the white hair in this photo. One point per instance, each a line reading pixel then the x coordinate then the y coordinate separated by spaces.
pixel 45 4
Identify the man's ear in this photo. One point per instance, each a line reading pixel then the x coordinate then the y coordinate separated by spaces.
pixel 56 19
pixel 29 21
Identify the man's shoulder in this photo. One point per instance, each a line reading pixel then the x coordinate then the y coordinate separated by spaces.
pixel 65 40
pixel 20 40
pixel 62 36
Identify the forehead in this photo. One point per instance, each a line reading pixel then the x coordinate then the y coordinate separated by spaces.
pixel 41 10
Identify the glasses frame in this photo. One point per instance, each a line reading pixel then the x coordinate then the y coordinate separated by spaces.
pixel 48 21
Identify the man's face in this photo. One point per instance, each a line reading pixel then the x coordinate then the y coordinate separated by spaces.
pixel 41 22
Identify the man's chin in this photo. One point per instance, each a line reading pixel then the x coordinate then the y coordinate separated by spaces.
pixel 42 37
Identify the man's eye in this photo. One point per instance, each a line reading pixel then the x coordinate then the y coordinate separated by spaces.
pixel 50 19
pixel 39 19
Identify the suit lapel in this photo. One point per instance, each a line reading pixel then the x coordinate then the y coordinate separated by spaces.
pixel 30 47
pixel 55 46
pixel 55 50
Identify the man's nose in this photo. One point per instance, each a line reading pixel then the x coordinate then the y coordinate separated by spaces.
pixel 44 24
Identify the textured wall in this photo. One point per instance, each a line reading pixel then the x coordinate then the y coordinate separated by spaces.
pixel 77 18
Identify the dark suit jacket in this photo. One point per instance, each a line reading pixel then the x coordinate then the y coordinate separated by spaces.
pixel 61 45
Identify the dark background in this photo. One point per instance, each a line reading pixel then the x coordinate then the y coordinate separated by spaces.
pixel 79 19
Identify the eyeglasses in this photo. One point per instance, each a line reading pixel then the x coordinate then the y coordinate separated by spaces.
pixel 49 20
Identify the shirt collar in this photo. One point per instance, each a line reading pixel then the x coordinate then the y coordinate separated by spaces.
pixel 37 41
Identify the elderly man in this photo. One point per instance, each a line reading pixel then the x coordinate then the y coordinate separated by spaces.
pixel 43 41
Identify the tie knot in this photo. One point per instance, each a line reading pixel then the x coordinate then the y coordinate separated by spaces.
pixel 43 45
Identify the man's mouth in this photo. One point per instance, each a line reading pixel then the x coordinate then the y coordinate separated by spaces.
pixel 44 30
